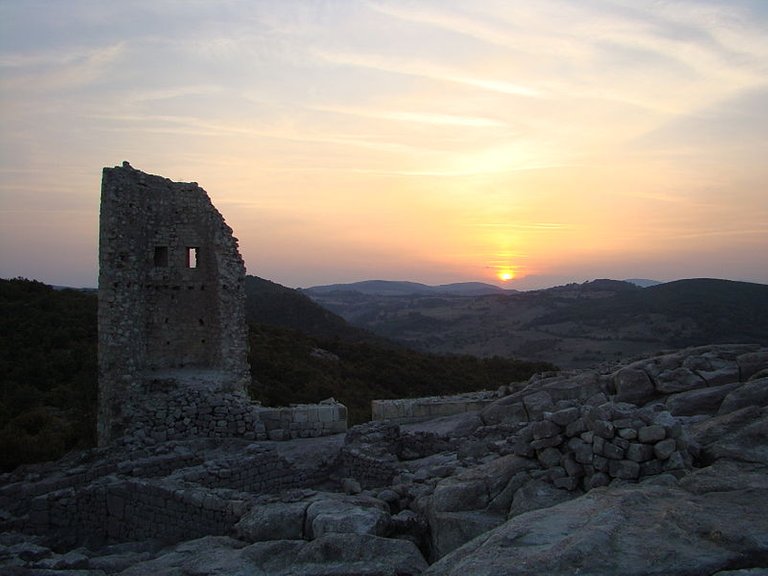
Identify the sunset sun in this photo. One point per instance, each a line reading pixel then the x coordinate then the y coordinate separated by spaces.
pixel 506 275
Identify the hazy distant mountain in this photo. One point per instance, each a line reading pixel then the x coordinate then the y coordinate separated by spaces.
pixel 572 325
pixel 470 289
pixel 643 282
pixel 397 288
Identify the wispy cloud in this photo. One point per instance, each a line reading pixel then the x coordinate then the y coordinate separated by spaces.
pixel 424 69
pixel 50 70
pixel 416 117
pixel 199 126
pixel 445 19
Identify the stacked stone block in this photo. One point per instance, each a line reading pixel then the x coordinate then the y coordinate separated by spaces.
pixel 421 444
pixel 260 470
pixel 171 293
pixel 184 412
pixel 368 454
pixel 134 509
pixel 591 446
pixel 303 420
pixel 170 496
pixel 181 412
pixel 409 410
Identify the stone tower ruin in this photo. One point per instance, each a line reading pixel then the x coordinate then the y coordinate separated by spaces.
pixel 171 298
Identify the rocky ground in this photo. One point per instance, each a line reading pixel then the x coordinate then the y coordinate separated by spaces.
pixel 656 466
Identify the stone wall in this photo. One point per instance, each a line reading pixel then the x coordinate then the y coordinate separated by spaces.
pixel 171 293
pixel 171 495
pixel 410 410
pixel 177 410
pixel 369 454
pixel 303 420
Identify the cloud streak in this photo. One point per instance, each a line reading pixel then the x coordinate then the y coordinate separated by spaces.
pixel 424 69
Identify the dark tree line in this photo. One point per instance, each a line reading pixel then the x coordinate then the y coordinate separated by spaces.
pixel 48 372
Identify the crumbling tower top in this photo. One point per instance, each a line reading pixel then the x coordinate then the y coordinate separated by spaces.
pixel 171 294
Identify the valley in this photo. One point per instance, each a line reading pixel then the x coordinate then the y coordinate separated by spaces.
pixel 571 326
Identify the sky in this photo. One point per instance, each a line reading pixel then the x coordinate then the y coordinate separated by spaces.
pixel 521 143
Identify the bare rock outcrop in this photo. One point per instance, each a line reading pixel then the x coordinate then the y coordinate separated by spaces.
pixel 563 474
pixel 640 530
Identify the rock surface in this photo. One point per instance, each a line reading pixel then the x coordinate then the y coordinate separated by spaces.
pixel 643 530
pixel 654 466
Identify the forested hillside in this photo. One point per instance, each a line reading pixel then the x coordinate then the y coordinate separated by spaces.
pixel 48 374
pixel 290 367
pixel 47 371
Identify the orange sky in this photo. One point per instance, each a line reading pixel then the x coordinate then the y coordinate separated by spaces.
pixel 433 141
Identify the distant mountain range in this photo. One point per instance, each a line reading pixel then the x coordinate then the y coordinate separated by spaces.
pixel 575 325
pixel 399 288
pixel 402 288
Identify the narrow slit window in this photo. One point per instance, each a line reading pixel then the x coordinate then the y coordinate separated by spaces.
pixel 193 255
pixel 161 256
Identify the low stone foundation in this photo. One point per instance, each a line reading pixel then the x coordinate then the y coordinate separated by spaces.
pixel 183 406
pixel 410 410
pixel 171 494
pixel 303 420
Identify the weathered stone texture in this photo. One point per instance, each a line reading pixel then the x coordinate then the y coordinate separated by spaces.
pixel 172 331
pixel 408 410
pixel 171 293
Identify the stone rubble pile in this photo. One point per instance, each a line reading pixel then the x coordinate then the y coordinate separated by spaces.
pixel 590 446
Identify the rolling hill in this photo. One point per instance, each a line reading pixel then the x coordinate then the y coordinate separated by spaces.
pixel 399 288
pixel 576 325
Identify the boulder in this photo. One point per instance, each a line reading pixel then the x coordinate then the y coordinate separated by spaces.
pixel 471 503
pixel 345 516
pixel 746 440
pixel 608 532
pixel 329 555
pixel 709 430
pixel 633 385
pixel 273 521
pixel 508 410
pixel 210 555
pixel 451 530
pixel 678 380
pixel 727 475
pixel 458 493
pixel 702 401
pixel 537 403
pixel 474 489
pixel 752 363
pixel 537 494
pixel 725 375
pixel 753 393
pixel 337 555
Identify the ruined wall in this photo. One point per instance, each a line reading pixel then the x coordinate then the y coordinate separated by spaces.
pixel 410 410
pixel 171 295
pixel 171 497
pixel 172 331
